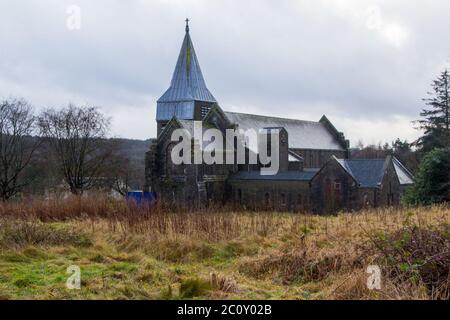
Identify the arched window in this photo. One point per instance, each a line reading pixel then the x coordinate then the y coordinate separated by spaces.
pixel 267 199
pixel 299 202
pixel 337 192
pixel 390 195
pixel 174 194
pixel 337 185
pixel 171 168
pixel 283 200
pixel 366 200
pixel 328 196
pixel 169 163
pixel 328 187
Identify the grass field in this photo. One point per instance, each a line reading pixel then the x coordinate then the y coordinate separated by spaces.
pixel 132 253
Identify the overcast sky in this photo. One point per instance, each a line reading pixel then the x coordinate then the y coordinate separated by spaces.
pixel 366 64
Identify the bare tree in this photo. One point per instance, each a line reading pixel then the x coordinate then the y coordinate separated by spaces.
pixel 17 146
pixel 77 138
pixel 370 151
pixel 119 174
pixel 123 171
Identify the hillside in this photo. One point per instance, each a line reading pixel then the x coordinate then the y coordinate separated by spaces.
pixel 134 149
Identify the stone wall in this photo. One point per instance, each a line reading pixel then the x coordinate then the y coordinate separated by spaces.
pixel 333 190
pixel 271 195
pixel 390 192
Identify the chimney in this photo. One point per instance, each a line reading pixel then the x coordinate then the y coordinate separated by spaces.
pixel 281 146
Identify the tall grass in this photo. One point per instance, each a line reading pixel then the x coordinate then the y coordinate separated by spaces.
pixel 411 244
pixel 212 223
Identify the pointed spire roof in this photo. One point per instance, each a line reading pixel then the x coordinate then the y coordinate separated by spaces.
pixel 187 83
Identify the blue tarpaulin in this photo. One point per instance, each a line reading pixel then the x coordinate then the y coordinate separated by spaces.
pixel 139 197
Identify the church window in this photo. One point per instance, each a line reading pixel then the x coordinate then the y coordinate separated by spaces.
pixel 173 169
pixel 337 190
pixel 267 199
pixel 327 186
pixel 174 194
pixel 299 200
pixel 169 163
pixel 283 200
pixel 337 185
pixel 366 200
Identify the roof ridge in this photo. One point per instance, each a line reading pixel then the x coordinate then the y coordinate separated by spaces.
pixel 368 172
pixel 274 117
pixel 402 166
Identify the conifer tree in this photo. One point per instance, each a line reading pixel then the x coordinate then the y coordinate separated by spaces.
pixel 436 118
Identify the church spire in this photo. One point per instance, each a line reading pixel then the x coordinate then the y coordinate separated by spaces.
pixel 187 86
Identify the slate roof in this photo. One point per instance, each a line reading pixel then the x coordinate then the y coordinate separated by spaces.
pixel 302 134
pixel 187 86
pixel 367 172
pixel 282 176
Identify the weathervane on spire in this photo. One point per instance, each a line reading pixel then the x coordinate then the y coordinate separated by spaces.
pixel 187 25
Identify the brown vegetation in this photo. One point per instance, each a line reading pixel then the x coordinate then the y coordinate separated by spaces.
pixel 224 254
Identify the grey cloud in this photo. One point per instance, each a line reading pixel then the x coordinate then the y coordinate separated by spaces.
pixel 286 58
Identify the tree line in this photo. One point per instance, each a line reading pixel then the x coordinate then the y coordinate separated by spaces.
pixel 401 149
pixel 68 146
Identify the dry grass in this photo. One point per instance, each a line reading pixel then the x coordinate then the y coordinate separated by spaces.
pixel 135 252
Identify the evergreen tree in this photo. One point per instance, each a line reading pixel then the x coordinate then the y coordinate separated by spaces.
pixel 400 147
pixel 436 118
pixel 432 180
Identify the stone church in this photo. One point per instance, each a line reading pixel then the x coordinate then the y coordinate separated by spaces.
pixel 315 175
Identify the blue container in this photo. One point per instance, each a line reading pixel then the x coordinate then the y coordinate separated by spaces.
pixel 141 198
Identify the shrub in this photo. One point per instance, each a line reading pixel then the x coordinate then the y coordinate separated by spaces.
pixel 18 233
pixel 192 288
pixel 294 267
pixel 417 256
